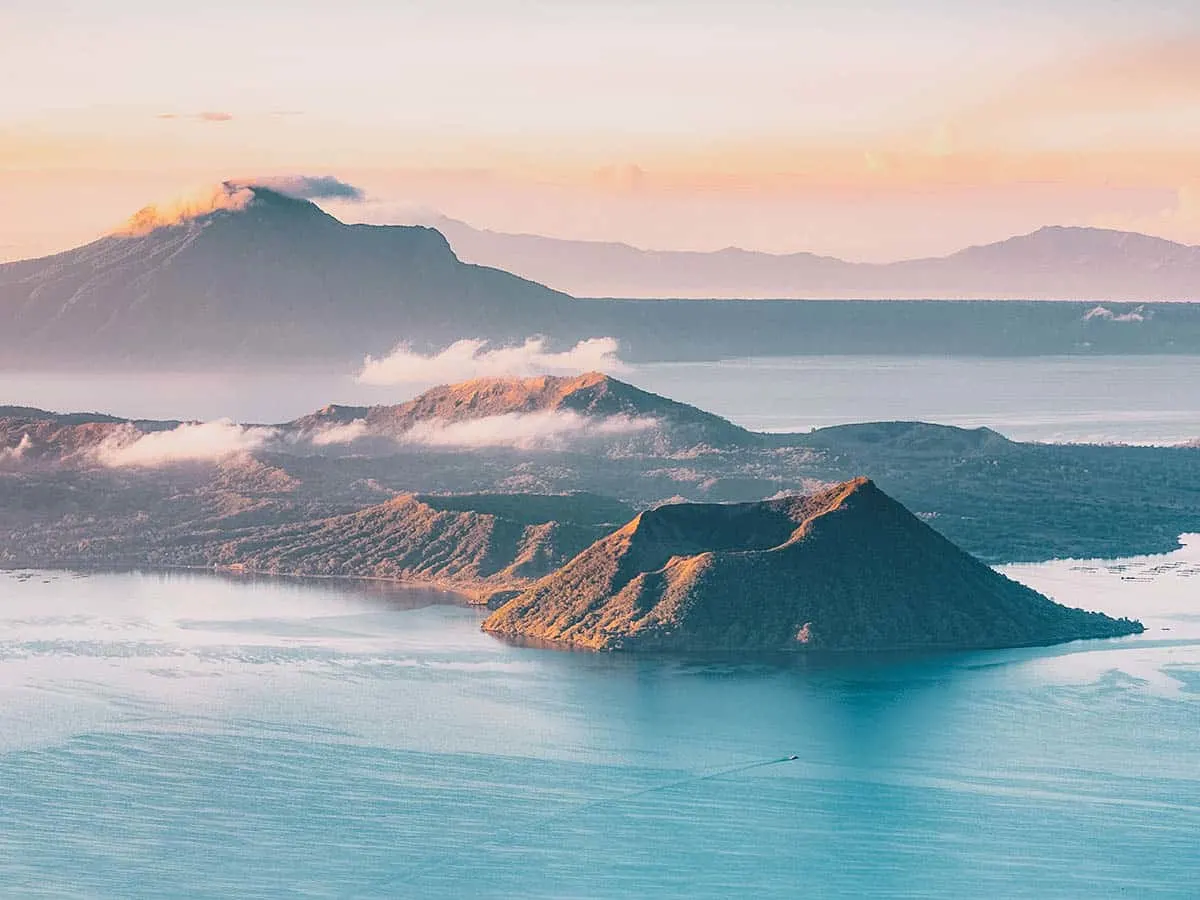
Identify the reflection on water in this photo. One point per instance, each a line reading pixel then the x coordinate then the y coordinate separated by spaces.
pixel 184 735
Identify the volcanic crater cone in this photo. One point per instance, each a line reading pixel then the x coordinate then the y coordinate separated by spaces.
pixel 843 569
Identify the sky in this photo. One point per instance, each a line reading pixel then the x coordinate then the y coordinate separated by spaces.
pixel 862 129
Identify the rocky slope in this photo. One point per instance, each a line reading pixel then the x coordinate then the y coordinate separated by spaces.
pixel 843 569
pixel 589 405
pixel 591 411
pixel 479 544
pixel 35 435
pixel 1000 500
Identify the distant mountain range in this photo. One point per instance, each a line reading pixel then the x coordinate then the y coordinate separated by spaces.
pixel 263 280
pixel 1053 263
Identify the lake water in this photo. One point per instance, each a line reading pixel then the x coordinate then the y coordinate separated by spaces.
pixel 1131 399
pixel 1127 399
pixel 184 735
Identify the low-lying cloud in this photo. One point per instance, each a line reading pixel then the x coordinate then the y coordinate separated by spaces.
pixel 189 442
pixel 343 433
pixel 475 358
pixel 208 115
pixel 1103 313
pixel 546 429
pixel 15 454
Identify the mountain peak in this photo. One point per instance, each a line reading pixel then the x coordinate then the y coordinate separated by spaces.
pixel 1063 244
pixel 592 394
pixel 844 569
pixel 218 201
pixel 496 394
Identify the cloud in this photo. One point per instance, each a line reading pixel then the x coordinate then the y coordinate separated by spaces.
pixel 344 433
pixel 1103 313
pixel 467 359
pixel 547 429
pixel 236 194
pixel 210 115
pixel 309 187
pixel 227 196
pixel 14 454
pixel 189 442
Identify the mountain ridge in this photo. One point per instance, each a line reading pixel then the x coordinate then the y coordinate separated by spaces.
pixel 591 394
pixel 1002 500
pixel 275 278
pixel 456 542
pixel 615 269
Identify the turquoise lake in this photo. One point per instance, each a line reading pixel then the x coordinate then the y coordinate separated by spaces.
pixel 185 735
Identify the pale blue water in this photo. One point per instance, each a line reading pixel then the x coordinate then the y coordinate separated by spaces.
pixel 1120 399
pixel 188 736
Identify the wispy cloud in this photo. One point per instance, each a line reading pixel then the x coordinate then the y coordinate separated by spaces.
pixel 344 433
pixel 208 115
pixel 237 194
pixel 308 187
pixel 475 358
pixel 15 454
pixel 227 196
pixel 189 442
pixel 547 429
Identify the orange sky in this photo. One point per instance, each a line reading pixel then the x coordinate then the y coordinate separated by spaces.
pixel 867 131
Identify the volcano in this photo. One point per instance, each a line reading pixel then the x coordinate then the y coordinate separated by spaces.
pixel 254 276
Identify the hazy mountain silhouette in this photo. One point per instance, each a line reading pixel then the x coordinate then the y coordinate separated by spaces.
pixel 1053 263
pixel 276 279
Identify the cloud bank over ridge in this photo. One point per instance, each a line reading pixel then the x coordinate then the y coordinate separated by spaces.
pixel 188 442
pixel 475 358
pixel 542 430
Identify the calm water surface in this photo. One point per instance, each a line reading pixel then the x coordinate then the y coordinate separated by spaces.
pixel 188 736
pixel 1127 399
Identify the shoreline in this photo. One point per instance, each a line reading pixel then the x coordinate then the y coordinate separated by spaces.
pixel 479 593
pixel 472 595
